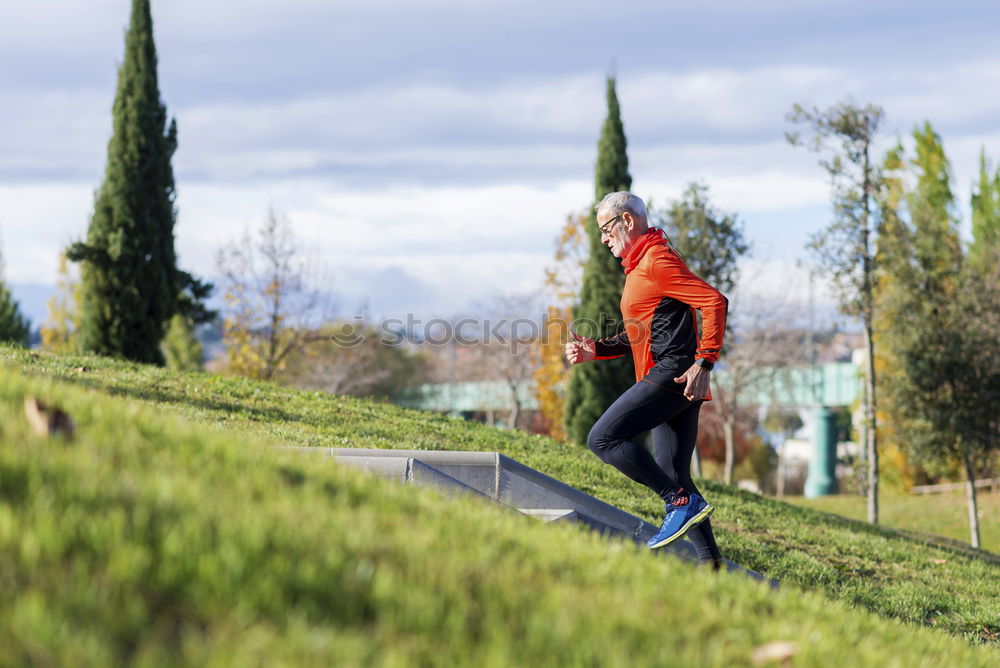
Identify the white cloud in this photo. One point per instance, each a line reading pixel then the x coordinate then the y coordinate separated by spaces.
pixel 783 285
pixel 36 222
pixel 59 132
pixel 961 93
pixel 399 162
pixel 460 244
pixel 726 101
pixel 758 177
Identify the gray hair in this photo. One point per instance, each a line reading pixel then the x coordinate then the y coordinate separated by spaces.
pixel 621 202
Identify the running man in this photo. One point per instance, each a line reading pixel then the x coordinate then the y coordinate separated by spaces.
pixel 672 369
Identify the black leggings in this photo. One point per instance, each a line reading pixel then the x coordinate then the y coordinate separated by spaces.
pixel 673 420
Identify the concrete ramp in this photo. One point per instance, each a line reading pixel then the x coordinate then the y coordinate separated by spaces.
pixel 506 481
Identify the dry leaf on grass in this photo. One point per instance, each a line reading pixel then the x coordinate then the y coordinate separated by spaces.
pixel 47 420
pixel 773 652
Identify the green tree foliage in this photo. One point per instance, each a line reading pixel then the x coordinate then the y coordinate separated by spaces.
pixel 952 399
pixel 13 325
pixel 181 347
pixel 985 215
pixel 844 249
pixel 934 219
pixel 895 239
pixel 710 241
pixel 945 396
pixel 892 259
pixel 131 285
pixel 593 387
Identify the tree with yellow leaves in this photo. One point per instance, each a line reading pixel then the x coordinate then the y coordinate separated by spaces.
pixel 270 310
pixel 562 280
pixel 893 254
pixel 59 330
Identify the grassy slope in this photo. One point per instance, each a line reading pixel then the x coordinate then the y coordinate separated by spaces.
pixel 945 514
pixel 223 549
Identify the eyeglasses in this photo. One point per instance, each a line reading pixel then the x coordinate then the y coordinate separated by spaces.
pixel 606 227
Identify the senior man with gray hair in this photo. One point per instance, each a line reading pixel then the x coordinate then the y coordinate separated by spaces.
pixel 672 369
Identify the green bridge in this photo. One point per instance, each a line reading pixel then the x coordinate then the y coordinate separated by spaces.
pixel 833 384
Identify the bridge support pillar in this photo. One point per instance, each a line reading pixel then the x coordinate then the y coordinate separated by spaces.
pixel 822 478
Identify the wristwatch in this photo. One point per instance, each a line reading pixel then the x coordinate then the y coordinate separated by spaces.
pixel 705 364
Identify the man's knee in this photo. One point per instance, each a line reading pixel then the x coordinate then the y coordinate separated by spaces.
pixel 598 440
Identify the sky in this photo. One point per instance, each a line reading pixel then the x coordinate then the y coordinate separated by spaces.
pixel 427 154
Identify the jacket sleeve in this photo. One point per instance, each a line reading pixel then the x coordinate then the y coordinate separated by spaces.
pixel 674 279
pixel 613 346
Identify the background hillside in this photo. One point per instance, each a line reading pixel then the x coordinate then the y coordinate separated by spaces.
pixel 168 532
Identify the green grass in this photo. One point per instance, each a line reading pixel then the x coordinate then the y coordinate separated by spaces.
pixel 929 515
pixel 154 538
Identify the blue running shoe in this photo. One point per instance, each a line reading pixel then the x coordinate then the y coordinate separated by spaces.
pixel 683 512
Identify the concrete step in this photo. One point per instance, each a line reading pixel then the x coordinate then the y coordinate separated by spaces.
pixel 506 481
pixel 551 514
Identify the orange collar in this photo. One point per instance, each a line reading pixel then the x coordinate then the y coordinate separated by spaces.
pixel 651 237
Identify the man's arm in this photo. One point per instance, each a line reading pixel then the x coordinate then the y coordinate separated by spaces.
pixel 612 346
pixel 677 281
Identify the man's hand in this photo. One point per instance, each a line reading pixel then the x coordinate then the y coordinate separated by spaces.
pixel 696 379
pixel 580 349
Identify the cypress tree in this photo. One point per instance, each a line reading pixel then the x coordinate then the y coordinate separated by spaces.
pixel 130 280
pixel 593 387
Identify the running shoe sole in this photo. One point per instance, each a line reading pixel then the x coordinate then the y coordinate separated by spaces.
pixel 690 524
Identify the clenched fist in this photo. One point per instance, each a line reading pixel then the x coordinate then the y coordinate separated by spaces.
pixel 580 349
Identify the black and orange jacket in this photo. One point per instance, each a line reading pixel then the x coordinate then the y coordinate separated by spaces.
pixel 658 307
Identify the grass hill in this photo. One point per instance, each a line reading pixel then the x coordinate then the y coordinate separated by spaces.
pixel 946 514
pixel 168 532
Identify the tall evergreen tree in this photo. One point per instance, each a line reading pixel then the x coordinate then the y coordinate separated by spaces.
pixel 944 334
pixel 130 280
pixel 593 387
pixel 14 327
pixel 893 263
pixel 985 247
pixel 936 242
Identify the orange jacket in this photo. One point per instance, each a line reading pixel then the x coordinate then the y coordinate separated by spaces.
pixel 658 304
